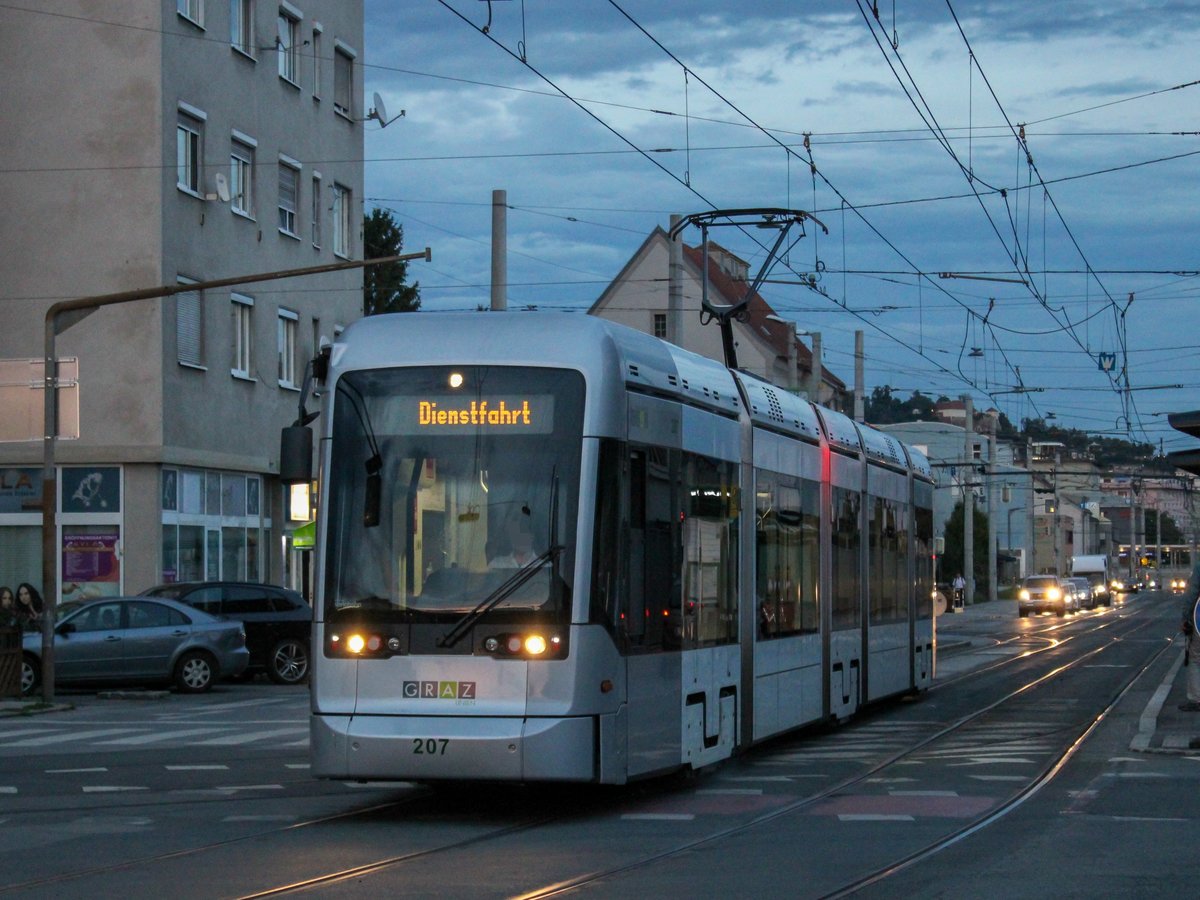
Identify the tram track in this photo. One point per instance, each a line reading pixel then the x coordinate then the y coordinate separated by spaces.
pixel 426 805
pixel 605 874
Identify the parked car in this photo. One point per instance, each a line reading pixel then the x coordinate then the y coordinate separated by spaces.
pixel 1084 597
pixel 1044 593
pixel 278 622
pixel 138 640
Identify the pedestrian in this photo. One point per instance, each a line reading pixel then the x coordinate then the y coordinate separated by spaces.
pixel 960 586
pixel 1191 657
pixel 29 605
pixel 8 607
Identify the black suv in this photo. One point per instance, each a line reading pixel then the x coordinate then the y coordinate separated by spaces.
pixel 277 620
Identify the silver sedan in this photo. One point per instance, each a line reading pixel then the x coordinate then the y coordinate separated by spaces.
pixel 139 640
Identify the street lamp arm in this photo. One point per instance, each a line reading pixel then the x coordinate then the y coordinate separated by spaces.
pixel 85 306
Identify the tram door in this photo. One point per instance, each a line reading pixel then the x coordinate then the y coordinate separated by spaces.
pixel 846 619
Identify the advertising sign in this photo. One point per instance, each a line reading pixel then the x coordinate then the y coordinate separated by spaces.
pixel 90 564
pixel 20 490
pixel 91 489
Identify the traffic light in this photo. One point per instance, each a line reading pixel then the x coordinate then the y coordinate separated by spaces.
pixel 1188 423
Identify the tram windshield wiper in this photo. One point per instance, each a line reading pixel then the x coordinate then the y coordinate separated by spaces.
pixel 498 596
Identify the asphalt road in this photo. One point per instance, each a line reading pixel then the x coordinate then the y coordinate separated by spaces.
pixel 204 796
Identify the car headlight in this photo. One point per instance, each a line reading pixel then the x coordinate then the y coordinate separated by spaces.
pixel 1053 594
pixel 1024 595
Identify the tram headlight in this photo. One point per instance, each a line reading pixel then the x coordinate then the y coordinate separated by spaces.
pixel 362 644
pixel 523 646
pixel 535 645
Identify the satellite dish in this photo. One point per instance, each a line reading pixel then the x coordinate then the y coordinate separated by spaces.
pixel 380 111
pixel 222 185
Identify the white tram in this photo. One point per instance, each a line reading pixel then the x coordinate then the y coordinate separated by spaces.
pixel 553 548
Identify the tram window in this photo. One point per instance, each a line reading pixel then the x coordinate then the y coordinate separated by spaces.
pixel 650 615
pixel 607 584
pixel 847 545
pixel 887 565
pixel 787 554
pixel 710 537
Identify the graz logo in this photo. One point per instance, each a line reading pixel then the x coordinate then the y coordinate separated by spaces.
pixel 439 690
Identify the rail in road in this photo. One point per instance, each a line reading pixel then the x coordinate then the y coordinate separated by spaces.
pixel 828 813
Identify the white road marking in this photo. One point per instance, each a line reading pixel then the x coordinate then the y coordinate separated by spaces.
pixel 197 768
pixel 75 771
pixel 110 788
pixel 234 739
pixel 153 737
pixel 658 817
pixel 65 736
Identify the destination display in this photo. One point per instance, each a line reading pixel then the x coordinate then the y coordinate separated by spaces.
pixel 448 414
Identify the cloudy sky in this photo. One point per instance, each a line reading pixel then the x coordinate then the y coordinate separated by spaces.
pixel 601 118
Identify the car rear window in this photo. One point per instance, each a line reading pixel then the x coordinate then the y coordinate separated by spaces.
pixel 242 600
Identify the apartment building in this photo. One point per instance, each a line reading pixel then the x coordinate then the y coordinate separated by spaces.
pixel 164 142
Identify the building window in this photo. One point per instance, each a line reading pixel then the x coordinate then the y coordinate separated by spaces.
pixel 287 44
pixel 343 80
pixel 192 10
pixel 241 176
pixel 241 25
pixel 660 325
pixel 316 55
pixel 189 326
pixel 289 192
pixel 243 334
pixel 189 145
pixel 316 209
pixel 288 322
pixel 341 220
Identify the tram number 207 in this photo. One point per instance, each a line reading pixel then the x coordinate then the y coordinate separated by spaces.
pixel 429 746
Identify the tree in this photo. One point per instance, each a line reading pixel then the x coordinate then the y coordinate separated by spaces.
pixel 384 290
pixel 952 559
pixel 885 408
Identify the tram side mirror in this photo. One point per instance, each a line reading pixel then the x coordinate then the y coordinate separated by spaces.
pixel 373 492
pixel 295 455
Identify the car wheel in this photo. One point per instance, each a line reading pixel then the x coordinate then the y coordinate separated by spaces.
pixel 1062 611
pixel 1023 613
pixel 195 673
pixel 31 674
pixel 289 661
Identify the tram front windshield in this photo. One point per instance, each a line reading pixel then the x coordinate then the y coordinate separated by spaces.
pixel 451 490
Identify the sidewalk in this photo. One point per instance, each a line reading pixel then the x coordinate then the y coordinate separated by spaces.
pixel 1164 727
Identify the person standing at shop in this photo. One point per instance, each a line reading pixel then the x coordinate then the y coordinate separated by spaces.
pixel 29 605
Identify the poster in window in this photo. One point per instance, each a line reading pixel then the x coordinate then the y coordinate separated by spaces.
pixel 91 566
pixel 91 489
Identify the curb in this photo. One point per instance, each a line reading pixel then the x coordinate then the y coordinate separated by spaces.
pixel 11 708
